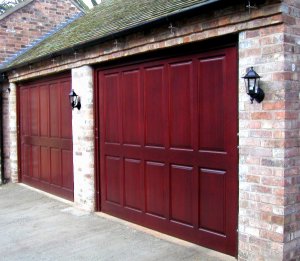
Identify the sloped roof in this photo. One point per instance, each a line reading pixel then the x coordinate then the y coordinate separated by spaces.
pixel 106 19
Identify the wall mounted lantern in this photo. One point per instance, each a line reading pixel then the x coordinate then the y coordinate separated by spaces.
pixel 252 86
pixel 74 100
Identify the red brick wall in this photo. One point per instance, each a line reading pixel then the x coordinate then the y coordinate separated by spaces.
pixel 27 24
pixel 291 117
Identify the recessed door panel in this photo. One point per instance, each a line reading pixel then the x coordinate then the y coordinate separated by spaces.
pixel 156 182
pixel 155 120
pixel 65 112
pixel 55 110
pixel 133 183
pixel 24 111
pixel 111 107
pixel 35 159
pixel 44 110
pixel 26 151
pixel 182 194
pixel 113 179
pixel 211 105
pixel 45 164
pixel 34 111
pixel 131 107
pixel 56 175
pixel 212 218
pixel 180 90
pixel 67 169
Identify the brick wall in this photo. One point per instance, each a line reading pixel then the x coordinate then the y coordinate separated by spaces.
pixel 27 24
pixel 6 139
pixel 11 144
pixel 262 130
pixel 83 139
pixel 5 130
pixel 268 132
pixel 291 9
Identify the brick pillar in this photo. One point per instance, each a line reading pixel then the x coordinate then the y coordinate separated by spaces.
pixel 83 139
pixel 262 140
pixel 13 145
pixel 5 130
pixel 291 10
pixel 263 146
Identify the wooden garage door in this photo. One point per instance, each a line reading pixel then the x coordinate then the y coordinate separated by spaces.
pixel 168 146
pixel 45 120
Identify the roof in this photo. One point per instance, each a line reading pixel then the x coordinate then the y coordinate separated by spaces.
pixel 105 20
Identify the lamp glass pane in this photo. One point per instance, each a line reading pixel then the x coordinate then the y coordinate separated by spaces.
pixel 252 85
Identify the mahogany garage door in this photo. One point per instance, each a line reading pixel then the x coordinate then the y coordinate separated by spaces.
pixel 45 120
pixel 168 146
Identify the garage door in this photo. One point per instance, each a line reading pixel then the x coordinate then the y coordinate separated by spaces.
pixel 45 119
pixel 168 146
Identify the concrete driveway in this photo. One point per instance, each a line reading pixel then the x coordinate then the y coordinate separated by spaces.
pixel 35 226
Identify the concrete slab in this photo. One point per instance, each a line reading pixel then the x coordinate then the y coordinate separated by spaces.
pixel 37 227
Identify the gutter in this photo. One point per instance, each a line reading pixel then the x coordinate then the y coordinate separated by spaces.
pixel 135 28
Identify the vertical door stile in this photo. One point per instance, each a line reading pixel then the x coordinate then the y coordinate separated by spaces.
pixel 168 138
pixel 143 138
pixel 121 92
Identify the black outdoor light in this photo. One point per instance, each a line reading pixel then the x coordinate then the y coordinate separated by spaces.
pixel 74 100
pixel 252 86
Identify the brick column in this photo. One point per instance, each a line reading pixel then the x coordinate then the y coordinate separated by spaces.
pixel 263 144
pixel 5 130
pixel 291 10
pixel 13 145
pixel 83 139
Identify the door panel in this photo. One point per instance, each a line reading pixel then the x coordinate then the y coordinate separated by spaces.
pixel 155 183
pixel 211 104
pixel 180 96
pixel 155 120
pixel 132 184
pixel 113 179
pixel 182 194
pixel 214 204
pixel 168 146
pixel 45 120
